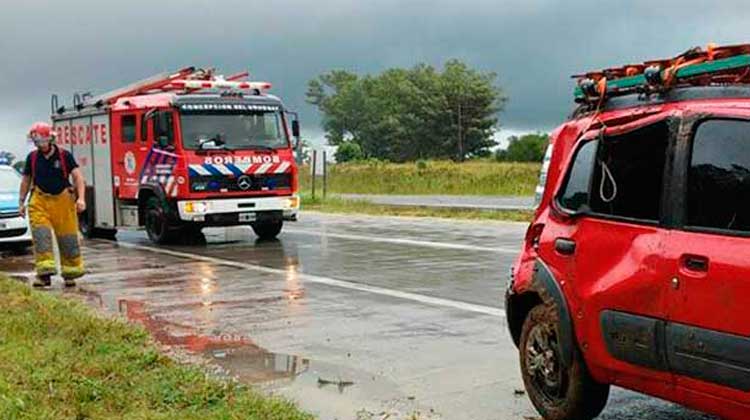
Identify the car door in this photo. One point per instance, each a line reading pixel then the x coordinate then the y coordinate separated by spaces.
pixel 611 249
pixel 127 145
pixel 708 334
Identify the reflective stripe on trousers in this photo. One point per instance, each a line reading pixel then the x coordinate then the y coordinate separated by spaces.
pixel 55 216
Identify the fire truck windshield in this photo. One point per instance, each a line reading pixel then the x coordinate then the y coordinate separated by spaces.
pixel 233 131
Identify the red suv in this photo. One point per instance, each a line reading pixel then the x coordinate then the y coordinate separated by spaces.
pixel 636 269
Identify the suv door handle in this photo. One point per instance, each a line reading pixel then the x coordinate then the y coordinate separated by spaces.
pixel 696 263
pixel 565 246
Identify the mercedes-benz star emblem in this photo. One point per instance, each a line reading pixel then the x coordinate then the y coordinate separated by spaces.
pixel 244 182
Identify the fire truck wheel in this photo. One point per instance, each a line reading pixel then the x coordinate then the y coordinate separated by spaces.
pixel 268 230
pixel 557 392
pixel 157 223
pixel 192 235
pixel 109 234
pixel 84 225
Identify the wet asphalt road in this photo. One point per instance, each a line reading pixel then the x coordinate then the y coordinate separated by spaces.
pixel 353 317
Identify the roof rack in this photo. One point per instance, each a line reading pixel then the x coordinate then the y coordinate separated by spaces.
pixel 713 65
pixel 185 80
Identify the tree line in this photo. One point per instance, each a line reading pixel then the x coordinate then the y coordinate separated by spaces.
pixel 409 114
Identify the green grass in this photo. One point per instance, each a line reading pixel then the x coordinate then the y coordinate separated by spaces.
pixel 338 205
pixel 58 360
pixel 482 177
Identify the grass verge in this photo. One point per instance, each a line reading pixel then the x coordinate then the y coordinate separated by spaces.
pixel 58 360
pixel 338 205
pixel 481 177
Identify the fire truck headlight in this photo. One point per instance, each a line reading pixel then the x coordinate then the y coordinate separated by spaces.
pixel 291 202
pixel 196 207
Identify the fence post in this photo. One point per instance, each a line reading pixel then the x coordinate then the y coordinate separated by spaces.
pixel 314 171
pixel 325 174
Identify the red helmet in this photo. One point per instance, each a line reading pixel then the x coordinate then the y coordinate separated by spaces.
pixel 41 129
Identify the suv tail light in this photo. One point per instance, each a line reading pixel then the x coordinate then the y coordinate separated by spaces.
pixel 533 235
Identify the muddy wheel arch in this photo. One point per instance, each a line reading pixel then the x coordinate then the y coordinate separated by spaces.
pixel 543 289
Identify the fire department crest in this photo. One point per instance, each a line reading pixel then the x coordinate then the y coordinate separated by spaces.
pixel 130 163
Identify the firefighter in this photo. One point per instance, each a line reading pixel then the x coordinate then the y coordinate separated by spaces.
pixel 53 206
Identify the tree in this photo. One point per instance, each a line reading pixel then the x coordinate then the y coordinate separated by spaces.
pixel 303 151
pixel 348 152
pixel 527 148
pixel 410 114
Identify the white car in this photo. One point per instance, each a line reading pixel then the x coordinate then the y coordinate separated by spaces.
pixel 15 232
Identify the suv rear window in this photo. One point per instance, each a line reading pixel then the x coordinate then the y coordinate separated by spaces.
pixel 620 176
pixel 719 177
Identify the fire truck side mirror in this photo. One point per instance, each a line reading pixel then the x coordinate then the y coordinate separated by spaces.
pixel 295 128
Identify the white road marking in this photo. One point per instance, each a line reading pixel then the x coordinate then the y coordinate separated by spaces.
pixel 404 241
pixel 414 297
pixel 124 274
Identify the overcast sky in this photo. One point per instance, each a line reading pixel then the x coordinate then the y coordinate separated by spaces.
pixel 534 45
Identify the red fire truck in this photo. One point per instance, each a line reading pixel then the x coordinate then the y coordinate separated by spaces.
pixel 181 151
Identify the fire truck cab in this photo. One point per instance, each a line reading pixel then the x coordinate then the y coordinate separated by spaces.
pixel 178 152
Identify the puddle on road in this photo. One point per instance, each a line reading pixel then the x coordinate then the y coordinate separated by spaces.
pixel 330 390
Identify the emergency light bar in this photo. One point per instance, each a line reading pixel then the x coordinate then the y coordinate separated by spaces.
pixel 218 84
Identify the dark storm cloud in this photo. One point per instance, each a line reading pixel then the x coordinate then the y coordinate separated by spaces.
pixel 534 45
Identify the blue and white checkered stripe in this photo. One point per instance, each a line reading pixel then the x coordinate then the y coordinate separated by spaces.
pixel 219 169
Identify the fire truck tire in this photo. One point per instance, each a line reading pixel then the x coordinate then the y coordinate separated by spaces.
pixel 558 393
pixel 85 226
pixel 110 234
pixel 267 230
pixel 157 224
pixel 192 235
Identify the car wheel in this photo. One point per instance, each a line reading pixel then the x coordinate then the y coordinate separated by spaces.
pixel 157 223
pixel 558 393
pixel 268 230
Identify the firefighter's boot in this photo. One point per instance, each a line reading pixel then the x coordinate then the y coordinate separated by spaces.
pixel 44 280
pixel 55 214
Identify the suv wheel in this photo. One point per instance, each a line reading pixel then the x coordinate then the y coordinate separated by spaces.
pixel 556 392
pixel 268 230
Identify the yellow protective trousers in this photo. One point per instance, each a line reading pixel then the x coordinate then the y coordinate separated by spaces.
pixel 55 214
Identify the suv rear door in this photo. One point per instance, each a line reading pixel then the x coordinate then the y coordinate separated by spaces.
pixel 708 336
pixel 610 249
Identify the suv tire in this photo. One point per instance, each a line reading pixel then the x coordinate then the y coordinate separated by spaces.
pixel 557 393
